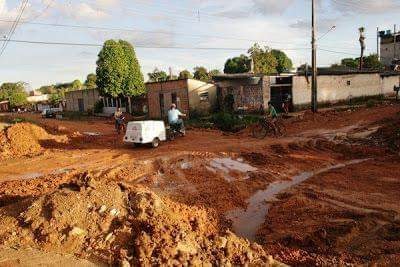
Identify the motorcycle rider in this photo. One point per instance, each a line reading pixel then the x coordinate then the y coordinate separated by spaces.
pixel 118 117
pixel 174 119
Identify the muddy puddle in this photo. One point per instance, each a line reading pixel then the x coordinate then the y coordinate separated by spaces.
pixel 226 165
pixel 245 222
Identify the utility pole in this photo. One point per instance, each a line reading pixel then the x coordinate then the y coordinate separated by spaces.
pixel 394 42
pixel 377 43
pixel 314 102
pixel 362 45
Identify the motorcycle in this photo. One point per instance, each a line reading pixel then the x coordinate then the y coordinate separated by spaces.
pixel 175 130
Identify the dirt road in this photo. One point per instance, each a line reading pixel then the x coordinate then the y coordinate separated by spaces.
pixel 330 183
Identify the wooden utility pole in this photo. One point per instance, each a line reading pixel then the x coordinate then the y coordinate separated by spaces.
pixel 394 42
pixel 377 43
pixel 314 102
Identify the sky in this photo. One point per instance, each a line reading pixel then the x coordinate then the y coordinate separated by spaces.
pixel 164 33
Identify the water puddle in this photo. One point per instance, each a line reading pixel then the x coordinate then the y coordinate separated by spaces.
pixel 247 221
pixel 92 133
pixel 228 164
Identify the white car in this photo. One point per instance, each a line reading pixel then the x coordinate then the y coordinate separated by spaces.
pixel 145 132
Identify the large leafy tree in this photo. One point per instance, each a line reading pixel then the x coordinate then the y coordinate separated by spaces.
pixel 90 82
pixel 239 64
pixel 76 85
pixel 118 71
pixel 213 72
pixel 201 73
pixel 284 62
pixel 13 92
pixel 185 74
pixel 157 75
pixel 264 61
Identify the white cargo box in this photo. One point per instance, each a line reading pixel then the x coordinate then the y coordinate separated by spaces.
pixel 145 132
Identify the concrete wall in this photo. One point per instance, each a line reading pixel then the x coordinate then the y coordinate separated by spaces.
pixel 89 96
pixel 333 88
pixel 196 89
pixel 387 52
pixel 388 83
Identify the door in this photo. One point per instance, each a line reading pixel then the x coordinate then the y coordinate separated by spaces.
pixel 81 105
pixel 162 111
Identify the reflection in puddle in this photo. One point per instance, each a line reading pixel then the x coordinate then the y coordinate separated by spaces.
pixel 247 221
pixel 226 165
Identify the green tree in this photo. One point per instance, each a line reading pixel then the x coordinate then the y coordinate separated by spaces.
pixel 372 62
pixel 350 63
pixel 201 73
pixel 76 85
pixel 134 81
pixel 284 62
pixel 14 92
pixel 212 73
pixel 264 61
pixel 90 82
pixel 185 74
pixel 54 99
pixel 47 89
pixel 118 71
pixel 239 64
pixel 157 75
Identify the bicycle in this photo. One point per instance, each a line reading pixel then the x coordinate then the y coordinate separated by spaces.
pixel 265 127
pixel 120 125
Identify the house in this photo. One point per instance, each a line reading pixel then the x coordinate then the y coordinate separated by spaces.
pixel 389 47
pixel 38 100
pixel 252 92
pixel 5 106
pixel 190 96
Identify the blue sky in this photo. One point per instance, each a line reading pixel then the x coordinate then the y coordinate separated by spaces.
pixel 280 24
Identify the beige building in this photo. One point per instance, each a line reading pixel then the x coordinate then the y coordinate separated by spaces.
pixel 189 95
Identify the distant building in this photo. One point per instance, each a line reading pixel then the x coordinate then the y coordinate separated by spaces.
pixel 188 94
pixel 389 47
pixel 253 92
pixel 38 101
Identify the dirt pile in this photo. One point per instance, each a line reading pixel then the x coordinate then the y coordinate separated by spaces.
pixel 389 134
pixel 25 139
pixel 119 224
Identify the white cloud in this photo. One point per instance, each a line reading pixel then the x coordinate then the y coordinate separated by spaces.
pixel 367 6
pixel 83 11
pixel 272 6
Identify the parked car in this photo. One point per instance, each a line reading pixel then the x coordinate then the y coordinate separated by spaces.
pixel 48 113
pixel 145 132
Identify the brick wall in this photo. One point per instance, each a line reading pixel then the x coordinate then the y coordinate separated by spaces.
pixel 179 87
pixel 250 96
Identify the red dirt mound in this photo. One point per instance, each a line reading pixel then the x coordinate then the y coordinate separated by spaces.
pixel 25 139
pixel 120 224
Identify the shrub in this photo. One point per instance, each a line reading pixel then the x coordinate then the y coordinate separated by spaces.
pixel 370 103
pixel 226 121
pixel 98 107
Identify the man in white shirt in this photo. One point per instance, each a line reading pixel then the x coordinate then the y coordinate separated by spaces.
pixel 174 117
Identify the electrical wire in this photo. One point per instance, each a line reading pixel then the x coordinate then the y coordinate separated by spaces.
pixel 141 46
pixel 13 27
pixel 145 31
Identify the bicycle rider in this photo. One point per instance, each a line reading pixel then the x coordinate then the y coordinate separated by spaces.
pixel 273 115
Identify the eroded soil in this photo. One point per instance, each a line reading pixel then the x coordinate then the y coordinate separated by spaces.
pixel 100 200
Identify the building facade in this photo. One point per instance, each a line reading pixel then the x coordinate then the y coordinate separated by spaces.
pixel 253 92
pixel 389 47
pixel 188 94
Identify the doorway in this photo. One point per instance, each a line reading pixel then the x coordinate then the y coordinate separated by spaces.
pixel 81 105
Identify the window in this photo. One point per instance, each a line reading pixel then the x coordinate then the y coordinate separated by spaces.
pixel 174 98
pixel 348 83
pixel 203 97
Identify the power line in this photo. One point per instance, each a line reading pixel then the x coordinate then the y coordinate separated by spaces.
pixel 77 26
pixel 13 27
pixel 41 12
pixel 139 46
